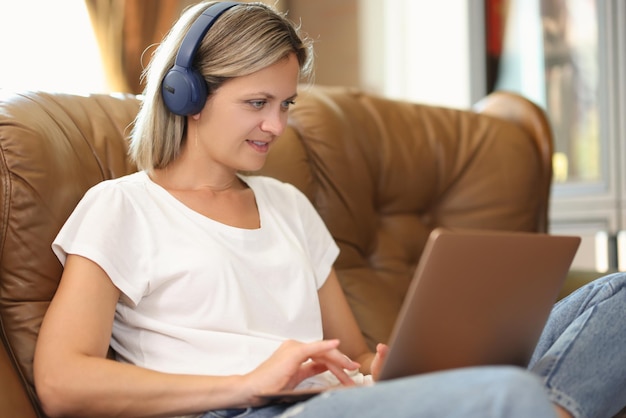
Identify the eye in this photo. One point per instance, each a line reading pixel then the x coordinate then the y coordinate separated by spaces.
pixel 287 103
pixel 257 104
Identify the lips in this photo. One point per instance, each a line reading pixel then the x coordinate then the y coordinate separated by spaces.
pixel 259 146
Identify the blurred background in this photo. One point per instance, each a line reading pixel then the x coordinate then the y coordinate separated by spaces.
pixel 568 56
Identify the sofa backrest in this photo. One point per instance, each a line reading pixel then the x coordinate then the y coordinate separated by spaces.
pixel 382 174
pixel 53 147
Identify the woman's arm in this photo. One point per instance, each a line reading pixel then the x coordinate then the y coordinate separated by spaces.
pixel 339 323
pixel 73 377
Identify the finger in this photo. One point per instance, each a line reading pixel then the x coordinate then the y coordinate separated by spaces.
pixel 335 360
pixel 379 359
pixel 341 375
pixel 317 348
pixel 382 348
pixel 349 364
pixel 328 354
pixel 311 368
pixel 337 363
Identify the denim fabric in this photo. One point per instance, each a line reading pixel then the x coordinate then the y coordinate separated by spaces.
pixel 270 411
pixel 472 392
pixel 581 355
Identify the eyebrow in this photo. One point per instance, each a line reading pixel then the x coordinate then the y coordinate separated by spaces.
pixel 271 96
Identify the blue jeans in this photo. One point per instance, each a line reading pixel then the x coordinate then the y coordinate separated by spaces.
pixel 473 392
pixel 579 363
pixel 581 356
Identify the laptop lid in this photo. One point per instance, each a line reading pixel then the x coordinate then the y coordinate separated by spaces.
pixel 477 298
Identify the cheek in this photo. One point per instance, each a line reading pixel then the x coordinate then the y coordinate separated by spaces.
pixel 233 119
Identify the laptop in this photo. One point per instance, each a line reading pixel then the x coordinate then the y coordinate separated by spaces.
pixel 477 298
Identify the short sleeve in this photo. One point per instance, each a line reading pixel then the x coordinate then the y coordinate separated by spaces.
pixel 108 228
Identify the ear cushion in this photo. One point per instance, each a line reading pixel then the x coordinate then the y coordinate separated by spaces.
pixel 184 91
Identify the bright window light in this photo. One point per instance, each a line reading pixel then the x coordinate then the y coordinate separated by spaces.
pixel 50 46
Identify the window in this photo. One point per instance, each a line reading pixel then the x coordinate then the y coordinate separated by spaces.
pixel 570 59
pixel 424 51
pixel 49 45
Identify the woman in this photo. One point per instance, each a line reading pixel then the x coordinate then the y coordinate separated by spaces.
pixel 214 287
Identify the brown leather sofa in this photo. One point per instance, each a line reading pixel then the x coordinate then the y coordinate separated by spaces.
pixel 382 174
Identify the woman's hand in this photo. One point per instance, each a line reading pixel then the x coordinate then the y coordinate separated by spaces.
pixel 379 359
pixel 294 362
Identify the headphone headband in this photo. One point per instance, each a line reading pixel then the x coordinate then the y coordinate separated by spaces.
pixel 198 29
pixel 184 89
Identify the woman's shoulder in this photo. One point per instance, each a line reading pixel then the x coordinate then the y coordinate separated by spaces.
pixel 129 182
pixel 126 188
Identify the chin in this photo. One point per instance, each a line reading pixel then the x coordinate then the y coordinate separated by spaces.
pixel 252 167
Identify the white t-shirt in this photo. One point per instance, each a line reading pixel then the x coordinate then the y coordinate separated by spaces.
pixel 199 296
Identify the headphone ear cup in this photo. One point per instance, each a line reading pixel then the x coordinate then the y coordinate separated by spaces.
pixel 184 91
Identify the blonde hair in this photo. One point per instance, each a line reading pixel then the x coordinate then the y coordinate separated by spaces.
pixel 245 39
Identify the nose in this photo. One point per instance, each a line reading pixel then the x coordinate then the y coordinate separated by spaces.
pixel 274 122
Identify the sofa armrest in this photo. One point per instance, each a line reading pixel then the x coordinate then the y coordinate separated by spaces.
pixel 14 401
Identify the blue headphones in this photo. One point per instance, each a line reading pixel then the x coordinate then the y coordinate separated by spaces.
pixel 184 89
